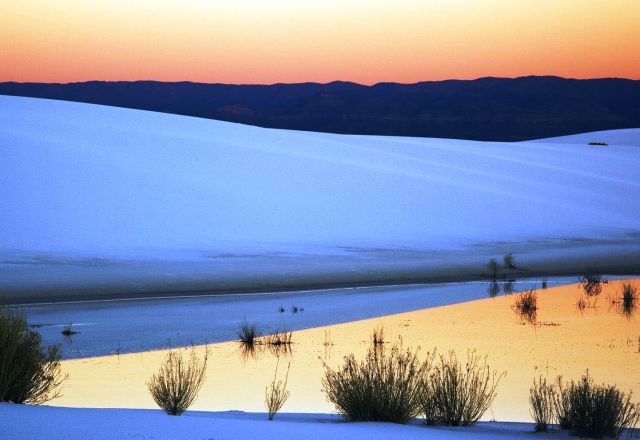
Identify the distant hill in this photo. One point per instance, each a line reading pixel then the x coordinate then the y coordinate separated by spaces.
pixel 501 109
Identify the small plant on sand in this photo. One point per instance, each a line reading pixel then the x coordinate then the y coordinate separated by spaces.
pixel 278 343
pixel 459 394
pixel 629 301
pixel 247 333
pixel 591 283
pixel 29 373
pixel 493 267
pixel 509 261
pixel 384 387
pixel 595 411
pixel 276 394
pixel 542 398
pixel 176 385
pixel 377 336
pixel 526 306
pixel 278 338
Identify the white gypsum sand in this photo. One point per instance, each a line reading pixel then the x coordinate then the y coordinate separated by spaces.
pixel 104 201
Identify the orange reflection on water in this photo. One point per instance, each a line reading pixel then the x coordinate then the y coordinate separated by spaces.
pixel 563 339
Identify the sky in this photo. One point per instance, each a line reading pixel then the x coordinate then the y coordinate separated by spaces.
pixel 264 42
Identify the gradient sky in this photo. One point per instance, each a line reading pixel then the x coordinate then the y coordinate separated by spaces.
pixel 261 41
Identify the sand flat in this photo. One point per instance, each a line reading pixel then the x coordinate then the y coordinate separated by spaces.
pixel 564 341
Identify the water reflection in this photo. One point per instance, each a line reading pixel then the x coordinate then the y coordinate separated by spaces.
pixel 508 287
pixel 488 326
pixel 493 289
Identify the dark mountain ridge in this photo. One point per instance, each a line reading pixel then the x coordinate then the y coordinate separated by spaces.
pixel 504 109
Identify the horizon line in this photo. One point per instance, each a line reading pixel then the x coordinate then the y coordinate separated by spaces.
pixel 337 81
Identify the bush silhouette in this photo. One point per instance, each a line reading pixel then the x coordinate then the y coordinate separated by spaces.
pixel 28 372
pixel 385 387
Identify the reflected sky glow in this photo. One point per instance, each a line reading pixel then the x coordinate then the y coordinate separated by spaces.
pixel 565 341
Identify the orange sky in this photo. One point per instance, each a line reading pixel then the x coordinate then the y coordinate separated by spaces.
pixel 262 41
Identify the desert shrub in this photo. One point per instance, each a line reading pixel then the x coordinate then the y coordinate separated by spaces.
pixel 526 306
pixel 247 333
pixel 29 373
pixel 385 387
pixel 509 261
pixel 276 394
pixel 591 283
pixel 493 267
pixel 459 394
pixel 542 398
pixel 176 385
pixel 590 410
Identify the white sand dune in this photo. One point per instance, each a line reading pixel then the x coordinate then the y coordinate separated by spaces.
pixel 110 199
pixel 620 138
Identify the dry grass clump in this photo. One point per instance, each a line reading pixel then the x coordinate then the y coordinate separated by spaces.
pixel 526 306
pixel 278 338
pixel 385 387
pixel 29 373
pixel 542 398
pixel 176 385
pixel 629 301
pixel 459 394
pixel 247 333
pixel 276 394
